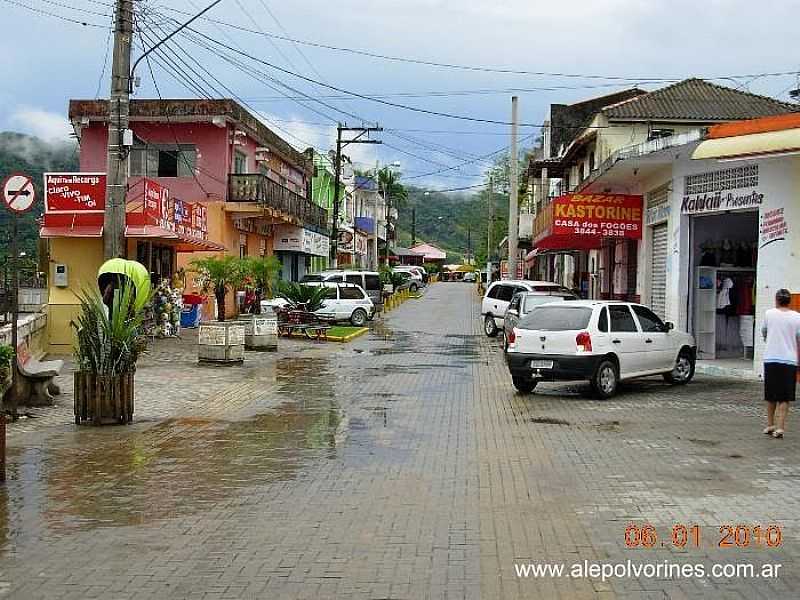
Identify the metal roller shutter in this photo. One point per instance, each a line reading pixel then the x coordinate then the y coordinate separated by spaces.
pixel 658 270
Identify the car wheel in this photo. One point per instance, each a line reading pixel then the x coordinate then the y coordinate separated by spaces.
pixel 605 379
pixel 683 371
pixel 524 385
pixel 413 288
pixel 358 318
pixel 489 326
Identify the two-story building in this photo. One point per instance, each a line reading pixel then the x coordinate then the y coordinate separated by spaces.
pixel 578 240
pixel 370 219
pixel 248 191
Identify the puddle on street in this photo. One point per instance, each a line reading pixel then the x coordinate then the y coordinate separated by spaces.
pixel 117 476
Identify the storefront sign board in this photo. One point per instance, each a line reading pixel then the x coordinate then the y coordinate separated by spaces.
pixel 657 214
pixel 298 239
pixel 598 216
pixel 74 192
pixel 723 190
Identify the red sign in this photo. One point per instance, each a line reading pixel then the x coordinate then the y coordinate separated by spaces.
pixel 158 206
pixel 598 216
pixel 74 192
pixel 504 269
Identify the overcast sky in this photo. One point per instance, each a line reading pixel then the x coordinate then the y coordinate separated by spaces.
pixel 46 61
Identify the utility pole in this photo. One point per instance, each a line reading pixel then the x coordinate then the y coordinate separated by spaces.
pixel 491 224
pixel 413 226
pixel 469 244
pixel 340 143
pixel 375 215
pixel 513 208
pixel 118 121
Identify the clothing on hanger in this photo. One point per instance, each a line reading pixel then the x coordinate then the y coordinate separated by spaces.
pixel 724 293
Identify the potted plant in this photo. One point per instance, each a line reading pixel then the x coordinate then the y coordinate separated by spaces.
pixel 109 343
pixel 307 298
pixel 220 341
pixel 261 330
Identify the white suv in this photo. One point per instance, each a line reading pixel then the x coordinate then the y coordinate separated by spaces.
pixel 499 294
pixel 604 342
pixel 345 302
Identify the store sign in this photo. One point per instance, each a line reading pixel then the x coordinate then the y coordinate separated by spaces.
pixel 345 241
pixel 657 214
pixel 253 226
pixel 735 188
pixel 520 269
pixel 360 244
pixel 298 239
pixel 772 227
pixel 700 204
pixel 74 192
pixel 173 214
pixel 598 215
pixel 158 206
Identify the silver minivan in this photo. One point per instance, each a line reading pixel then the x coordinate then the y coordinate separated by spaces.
pixel 369 281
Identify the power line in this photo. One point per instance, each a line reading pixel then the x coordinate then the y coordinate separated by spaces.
pixel 355 94
pixel 483 69
pixel 56 15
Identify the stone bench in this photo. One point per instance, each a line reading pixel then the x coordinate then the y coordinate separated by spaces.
pixel 36 385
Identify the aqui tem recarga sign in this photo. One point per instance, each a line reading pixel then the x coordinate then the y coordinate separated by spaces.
pixel 598 215
pixel 74 192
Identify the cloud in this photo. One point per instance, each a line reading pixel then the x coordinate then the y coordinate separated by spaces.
pixel 45 125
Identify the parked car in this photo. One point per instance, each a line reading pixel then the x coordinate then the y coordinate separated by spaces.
pixel 604 342
pixel 420 271
pixel 409 283
pixel 499 294
pixel 370 281
pixel 345 302
pixel 524 302
pixel 470 277
pixel 417 280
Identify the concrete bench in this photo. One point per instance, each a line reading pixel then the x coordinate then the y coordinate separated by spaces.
pixel 36 385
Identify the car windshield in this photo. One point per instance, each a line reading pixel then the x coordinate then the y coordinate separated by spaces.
pixel 557 318
pixel 533 301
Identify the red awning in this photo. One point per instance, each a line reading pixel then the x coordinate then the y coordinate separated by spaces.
pixel 185 243
pixel 569 242
pixel 81 231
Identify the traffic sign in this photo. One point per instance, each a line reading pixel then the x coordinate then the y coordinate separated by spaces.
pixel 18 192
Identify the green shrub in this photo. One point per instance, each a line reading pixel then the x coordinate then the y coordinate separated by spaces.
pixel 302 297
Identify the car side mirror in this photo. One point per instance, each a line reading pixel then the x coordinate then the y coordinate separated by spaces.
pixel 669 326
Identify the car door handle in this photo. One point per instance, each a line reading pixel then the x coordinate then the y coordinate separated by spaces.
pixel 616 341
pixel 648 341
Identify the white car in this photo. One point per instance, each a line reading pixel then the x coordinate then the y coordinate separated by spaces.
pixel 499 294
pixel 601 341
pixel 416 274
pixel 345 302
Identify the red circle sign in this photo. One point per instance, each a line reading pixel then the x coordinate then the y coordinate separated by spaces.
pixel 18 192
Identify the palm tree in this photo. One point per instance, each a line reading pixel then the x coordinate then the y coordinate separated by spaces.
pixel 389 182
pixel 262 272
pixel 219 275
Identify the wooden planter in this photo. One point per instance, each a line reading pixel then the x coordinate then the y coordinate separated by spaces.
pixel 221 342
pixel 101 399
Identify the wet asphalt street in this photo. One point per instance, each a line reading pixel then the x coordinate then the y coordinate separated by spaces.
pixel 402 465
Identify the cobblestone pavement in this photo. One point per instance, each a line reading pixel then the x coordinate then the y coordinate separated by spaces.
pixel 402 465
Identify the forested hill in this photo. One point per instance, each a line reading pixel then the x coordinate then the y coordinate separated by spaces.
pixel 448 220
pixel 31 156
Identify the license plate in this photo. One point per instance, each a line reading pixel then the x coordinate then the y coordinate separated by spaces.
pixel 541 364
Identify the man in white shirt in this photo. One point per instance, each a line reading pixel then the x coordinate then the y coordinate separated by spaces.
pixel 781 331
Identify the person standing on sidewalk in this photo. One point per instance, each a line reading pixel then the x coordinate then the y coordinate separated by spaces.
pixel 781 331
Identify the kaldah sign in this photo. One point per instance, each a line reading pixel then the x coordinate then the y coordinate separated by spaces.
pixel 598 215
pixel 74 192
pixel 697 204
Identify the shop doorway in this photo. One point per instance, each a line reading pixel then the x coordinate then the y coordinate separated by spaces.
pixel 724 262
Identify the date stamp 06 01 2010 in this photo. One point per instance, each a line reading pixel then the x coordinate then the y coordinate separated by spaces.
pixel 682 536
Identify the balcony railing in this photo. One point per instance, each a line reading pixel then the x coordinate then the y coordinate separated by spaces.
pixel 258 188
